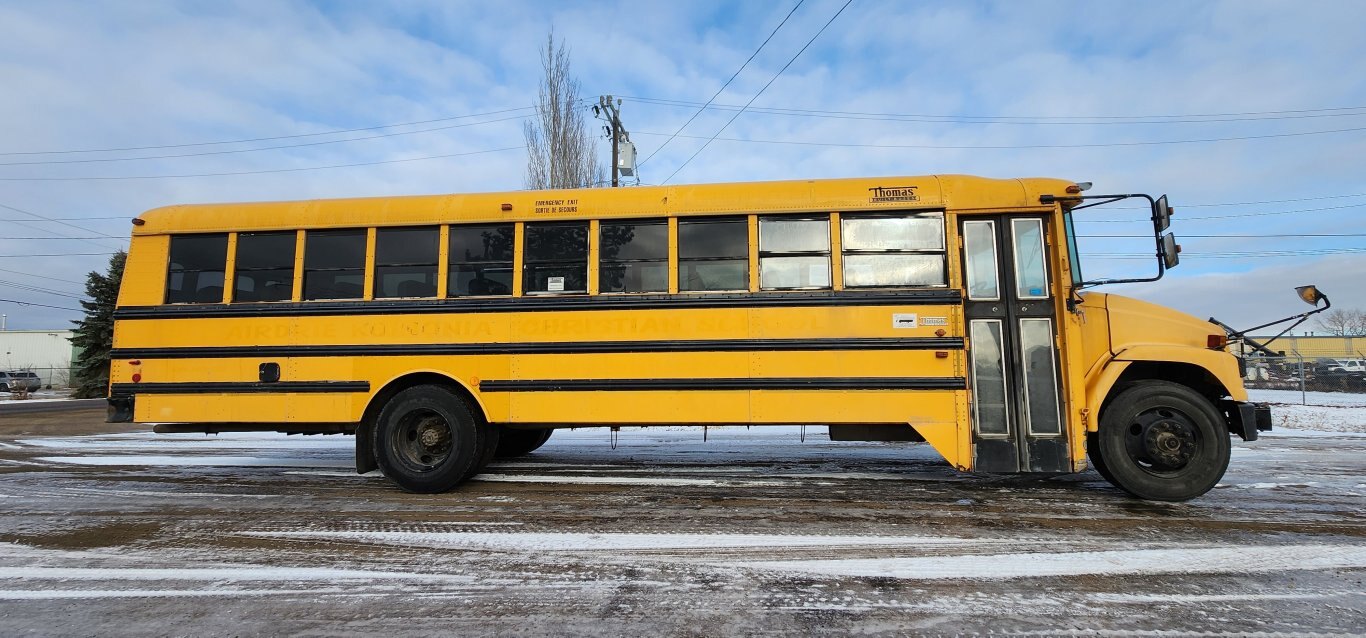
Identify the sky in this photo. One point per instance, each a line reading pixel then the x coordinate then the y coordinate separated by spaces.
pixel 1251 116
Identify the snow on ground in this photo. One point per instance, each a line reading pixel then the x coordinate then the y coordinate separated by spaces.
pixel 1320 411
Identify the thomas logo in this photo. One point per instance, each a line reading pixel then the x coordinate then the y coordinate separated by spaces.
pixel 893 194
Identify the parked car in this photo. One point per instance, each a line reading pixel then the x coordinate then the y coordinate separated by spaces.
pixel 16 380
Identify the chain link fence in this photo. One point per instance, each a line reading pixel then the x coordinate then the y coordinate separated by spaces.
pixel 1307 364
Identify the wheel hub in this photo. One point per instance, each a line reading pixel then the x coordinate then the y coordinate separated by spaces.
pixel 1163 440
pixel 1169 444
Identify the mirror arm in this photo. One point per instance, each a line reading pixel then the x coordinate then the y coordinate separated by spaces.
pixel 1298 319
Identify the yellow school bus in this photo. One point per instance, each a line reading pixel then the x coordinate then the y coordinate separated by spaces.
pixel 444 330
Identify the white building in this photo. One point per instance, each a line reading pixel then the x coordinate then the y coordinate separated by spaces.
pixel 46 352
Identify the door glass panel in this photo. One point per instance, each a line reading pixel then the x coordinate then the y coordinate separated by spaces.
pixel 988 378
pixel 1031 273
pixel 979 243
pixel 1040 376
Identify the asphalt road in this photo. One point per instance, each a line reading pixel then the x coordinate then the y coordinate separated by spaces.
pixel 30 407
pixel 751 532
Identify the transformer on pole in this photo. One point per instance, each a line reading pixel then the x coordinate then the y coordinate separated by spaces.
pixel 623 151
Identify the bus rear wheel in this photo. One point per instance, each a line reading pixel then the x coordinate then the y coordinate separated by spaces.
pixel 513 443
pixel 1163 441
pixel 426 440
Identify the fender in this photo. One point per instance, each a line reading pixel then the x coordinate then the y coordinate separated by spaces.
pixel 1219 364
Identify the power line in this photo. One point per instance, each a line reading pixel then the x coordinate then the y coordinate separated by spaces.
pixel 1274 236
pixel 1237 254
pixel 263 148
pixel 1012 146
pixel 57 255
pixel 723 86
pixel 761 91
pixel 61 238
pixel 41 217
pixel 46 218
pixel 1076 120
pixel 39 289
pixel 69 219
pixel 1236 215
pixel 40 305
pixel 260 172
pixel 20 272
pixel 266 139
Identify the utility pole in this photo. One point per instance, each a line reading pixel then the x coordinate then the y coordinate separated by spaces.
pixel 623 151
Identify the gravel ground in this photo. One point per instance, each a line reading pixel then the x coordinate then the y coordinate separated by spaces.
pixel 115 532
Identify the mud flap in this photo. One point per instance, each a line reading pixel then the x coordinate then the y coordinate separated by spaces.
pixel 365 448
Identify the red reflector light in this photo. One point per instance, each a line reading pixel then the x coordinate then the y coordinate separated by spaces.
pixel 137 377
pixel 507 206
pixel 1216 341
pixel 1073 189
pixel 135 362
pixel 941 354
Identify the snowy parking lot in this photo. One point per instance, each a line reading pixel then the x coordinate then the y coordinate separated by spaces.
pixel 750 531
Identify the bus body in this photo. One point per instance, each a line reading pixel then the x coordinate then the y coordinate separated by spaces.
pixel 443 329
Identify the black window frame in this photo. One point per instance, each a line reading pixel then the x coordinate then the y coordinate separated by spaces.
pixel 456 264
pixel 605 263
pixel 238 269
pixel 683 261
pixel 530 266
pixel 185 273
pixel 310 236
pixel 434 264
pixel 942 251
pixel 782 254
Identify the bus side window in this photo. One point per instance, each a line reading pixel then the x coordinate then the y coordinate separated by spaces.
pixel 713 254
pixel 334 264
pixel 794 253
pixel 555 258
pixel 195 271
pixel 634 256
pixel 265 267
pixel 480 260
pixel 899 250
pixel 405 261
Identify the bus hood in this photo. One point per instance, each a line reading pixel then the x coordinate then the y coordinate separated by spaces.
pixel 1133 322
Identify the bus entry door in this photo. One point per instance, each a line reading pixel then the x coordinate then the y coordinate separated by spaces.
pixel 1012 354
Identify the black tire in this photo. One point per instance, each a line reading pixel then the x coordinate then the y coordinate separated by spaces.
pixel 488 446
pixel 1098 461
pixel 513 443
pixel 426 440
pixel 1163 441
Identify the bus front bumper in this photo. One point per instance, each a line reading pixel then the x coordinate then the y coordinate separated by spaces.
pixel 120 410
pixel 1246 419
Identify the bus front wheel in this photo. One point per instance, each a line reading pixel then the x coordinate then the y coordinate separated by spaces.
pixel 1162 441
pixel 426 440
pixel 513 443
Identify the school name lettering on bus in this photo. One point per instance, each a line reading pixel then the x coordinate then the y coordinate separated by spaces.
pixel 893 194
pixel 557 205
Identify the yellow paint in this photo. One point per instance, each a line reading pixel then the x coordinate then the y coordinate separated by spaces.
pixel 1102 325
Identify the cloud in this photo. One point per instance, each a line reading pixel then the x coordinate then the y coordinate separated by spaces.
pixel 82 76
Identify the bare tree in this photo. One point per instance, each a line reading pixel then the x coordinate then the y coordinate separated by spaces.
pixel 1344 322
pixel 559 149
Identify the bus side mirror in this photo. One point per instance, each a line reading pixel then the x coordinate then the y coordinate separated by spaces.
pixel 1162 214
pixel 1171 251
pixel 1310 294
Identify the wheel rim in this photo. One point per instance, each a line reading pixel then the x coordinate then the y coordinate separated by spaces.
pixel 1163 441
pixel 422 440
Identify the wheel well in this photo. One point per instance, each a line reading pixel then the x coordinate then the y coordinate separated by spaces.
pixel 365 453
pixel 419 378
pixel 1189 375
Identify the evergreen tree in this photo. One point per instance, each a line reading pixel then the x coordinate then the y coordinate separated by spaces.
pixel 95 333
